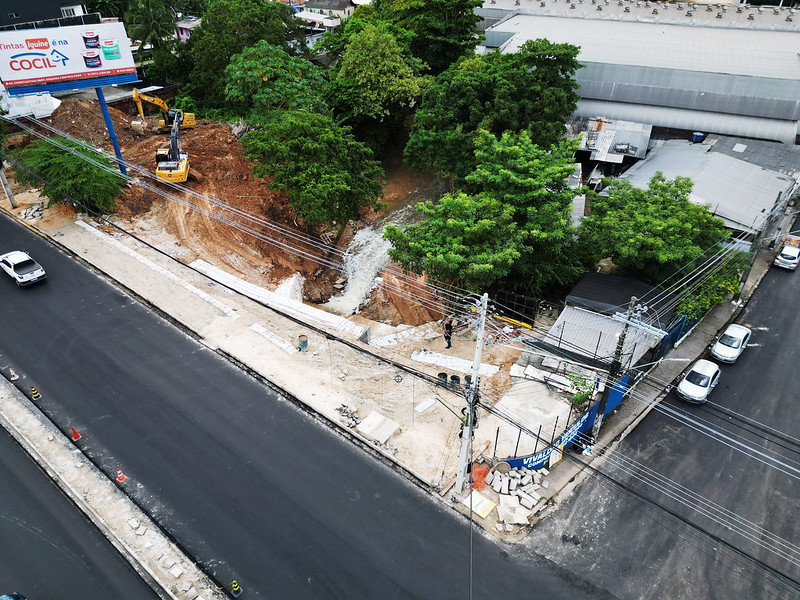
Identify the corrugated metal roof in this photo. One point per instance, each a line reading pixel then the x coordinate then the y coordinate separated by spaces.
pixel 692 120
pixel 596 336
pixel 740 193
pixel 699 90
pixel 610 141
pixel 752 52
pixel 781 158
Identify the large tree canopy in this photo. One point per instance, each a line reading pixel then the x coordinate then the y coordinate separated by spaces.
pixel 651 232
pixel 374 85
pixel 327 175
pixel 444 30
pixel 468 241
pixel 264 78
pixel 533 180
pixel 227 28
pixel 533 90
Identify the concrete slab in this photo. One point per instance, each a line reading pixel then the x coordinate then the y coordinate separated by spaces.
pixel 377 427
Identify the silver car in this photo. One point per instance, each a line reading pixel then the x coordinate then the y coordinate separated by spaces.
pixel 21 267
pixel 788 257
pixel 730 345
pixel 697 384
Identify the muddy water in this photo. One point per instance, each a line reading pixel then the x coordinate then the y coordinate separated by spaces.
pixel 367 253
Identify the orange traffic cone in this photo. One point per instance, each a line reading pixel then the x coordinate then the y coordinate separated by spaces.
pixel 121 476
pixel 75 435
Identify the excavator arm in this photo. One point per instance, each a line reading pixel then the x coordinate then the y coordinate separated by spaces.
pixel 169 116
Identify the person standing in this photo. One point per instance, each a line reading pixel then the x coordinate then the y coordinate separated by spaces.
pixel 448 330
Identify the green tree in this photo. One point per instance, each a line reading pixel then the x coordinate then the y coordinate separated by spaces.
pixel 150 22
pixel 468 241
pixel 651 232
pixel 172 62
pixel 327 175
pixel 73 179
pixel 227 29
pixel 723 280
pixel 375 84
pixel 108 8
pixel 534 181
pixel 264 78
pixel 444 30
pixel 533 90
pixel 335 42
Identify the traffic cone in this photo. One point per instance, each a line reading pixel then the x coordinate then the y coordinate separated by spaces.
pixel 35 393
pixel 13 376
pixel 121 476
pixel 75 435
pixel 236 590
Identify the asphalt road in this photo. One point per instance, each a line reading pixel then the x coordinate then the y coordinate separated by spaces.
pixel 636 550
pixel 49 549
pixel 254 488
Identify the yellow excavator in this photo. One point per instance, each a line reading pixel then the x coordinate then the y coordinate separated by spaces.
pixel 172 164
pixel 186 120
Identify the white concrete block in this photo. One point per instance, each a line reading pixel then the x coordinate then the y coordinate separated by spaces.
pixel 141 530
pixel 133 523
pixel 176 571
pixel 506 481
pixel 497 484
pixel 512 484
pixel 545 485
pixel 489 477
pixel 526 479
pixel 544 472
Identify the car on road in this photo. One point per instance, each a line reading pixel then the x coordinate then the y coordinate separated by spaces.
pixel 14 596
pixel 21 267
pixel 697 384
pixel 788 257
pixel 730 345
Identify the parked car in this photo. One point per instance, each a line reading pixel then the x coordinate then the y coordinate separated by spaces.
pixel 788 257
pixel 697 384
pixel 14 596
pixel 22 268
pixel 731 343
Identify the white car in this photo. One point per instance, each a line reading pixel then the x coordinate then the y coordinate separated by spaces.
pixel 731 343
pixel 697 384
pixel 788 257
pixel 22 268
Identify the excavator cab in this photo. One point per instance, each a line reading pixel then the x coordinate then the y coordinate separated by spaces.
pixel 172 164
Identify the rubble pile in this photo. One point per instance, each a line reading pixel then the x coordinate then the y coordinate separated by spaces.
pixel 520 482
pixel 347 416
pixel 33 212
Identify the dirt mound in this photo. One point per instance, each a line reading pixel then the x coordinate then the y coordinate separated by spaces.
pixel 254 250
pixel 214 153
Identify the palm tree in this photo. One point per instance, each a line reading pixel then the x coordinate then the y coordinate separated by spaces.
pixel 150 22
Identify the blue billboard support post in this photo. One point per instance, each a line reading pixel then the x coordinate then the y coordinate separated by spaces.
pixel 110 126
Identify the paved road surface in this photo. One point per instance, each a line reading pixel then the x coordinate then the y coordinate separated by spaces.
pixel 636 551
pixel 49 550
pixel 254 488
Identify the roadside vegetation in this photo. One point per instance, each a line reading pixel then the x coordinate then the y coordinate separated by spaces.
pixel 493 126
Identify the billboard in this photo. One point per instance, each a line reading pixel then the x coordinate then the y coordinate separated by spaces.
pixel 33 61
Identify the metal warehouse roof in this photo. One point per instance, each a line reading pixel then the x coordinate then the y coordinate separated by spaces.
pixel 740 193
pixel 733 51
pixel 595 335
pixel 692 120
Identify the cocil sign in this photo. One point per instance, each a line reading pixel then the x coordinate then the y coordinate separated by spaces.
pixel 29 61
pixel 57 58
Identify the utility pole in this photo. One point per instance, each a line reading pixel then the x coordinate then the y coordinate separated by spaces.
pixel 616 367
pixel 472 399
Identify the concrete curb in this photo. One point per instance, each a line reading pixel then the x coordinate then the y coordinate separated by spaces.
pixel 151 553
